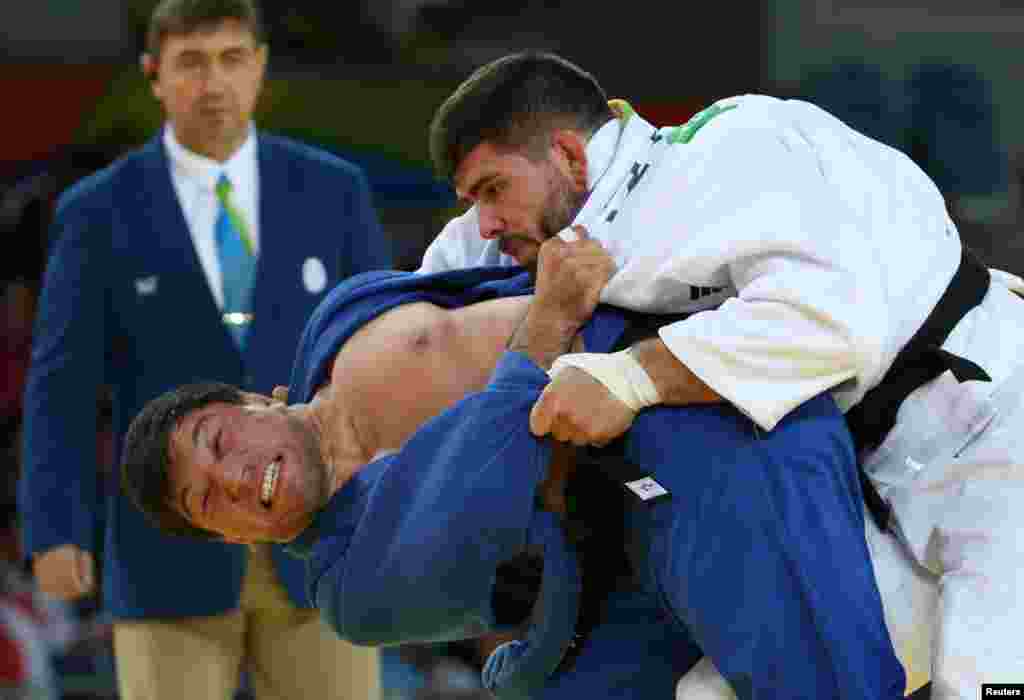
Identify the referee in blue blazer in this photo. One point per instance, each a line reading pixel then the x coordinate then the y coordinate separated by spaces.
pixel 198 256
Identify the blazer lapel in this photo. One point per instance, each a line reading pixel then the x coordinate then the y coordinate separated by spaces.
pixel 165 220
pixel 275 217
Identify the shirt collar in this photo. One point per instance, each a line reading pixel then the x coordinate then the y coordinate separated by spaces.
pixel 605 142
pixel 205 171
pixel 601 151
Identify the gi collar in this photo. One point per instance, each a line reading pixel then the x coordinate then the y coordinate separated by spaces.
pixel 632 137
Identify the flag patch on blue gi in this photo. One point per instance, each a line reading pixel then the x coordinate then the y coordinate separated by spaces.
pixel 647 489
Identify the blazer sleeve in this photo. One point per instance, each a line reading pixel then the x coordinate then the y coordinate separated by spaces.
pixel 58 487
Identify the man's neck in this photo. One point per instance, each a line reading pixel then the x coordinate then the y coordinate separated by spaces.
pixel 219 151
pixel 341 451
pixel 601 151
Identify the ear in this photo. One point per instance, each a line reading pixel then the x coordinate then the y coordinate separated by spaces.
pixel 254 399
pixel 279 394
pixel 234 540
pixel 262 56
pixel 149 67
pixel 570 154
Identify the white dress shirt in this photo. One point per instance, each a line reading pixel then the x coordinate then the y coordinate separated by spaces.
pixel 195 178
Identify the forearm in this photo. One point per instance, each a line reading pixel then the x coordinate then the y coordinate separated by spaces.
pixel 676 384
pixel 542 338
pixel 58 485
pixel 569 280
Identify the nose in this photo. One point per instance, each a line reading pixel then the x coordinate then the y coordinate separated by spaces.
pixel 491 224
pixel 234 482
pixel 215 78
pixel 233 489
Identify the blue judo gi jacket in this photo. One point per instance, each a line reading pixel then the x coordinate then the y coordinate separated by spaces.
pixel 757 559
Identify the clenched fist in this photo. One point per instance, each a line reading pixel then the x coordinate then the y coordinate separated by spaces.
pixel 570 277
pixel 577 408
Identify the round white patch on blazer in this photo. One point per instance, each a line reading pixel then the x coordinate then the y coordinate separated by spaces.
pixel 314 275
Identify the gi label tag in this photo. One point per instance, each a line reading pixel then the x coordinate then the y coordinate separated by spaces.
pixel 647 489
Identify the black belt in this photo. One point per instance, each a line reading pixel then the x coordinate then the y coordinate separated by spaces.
pixel 921 360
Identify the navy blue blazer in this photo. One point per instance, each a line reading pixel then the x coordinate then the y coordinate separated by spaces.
pixel 126 303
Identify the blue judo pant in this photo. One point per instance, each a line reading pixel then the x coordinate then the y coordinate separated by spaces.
pixel 758 560
pixel 760 553
pixel 638 652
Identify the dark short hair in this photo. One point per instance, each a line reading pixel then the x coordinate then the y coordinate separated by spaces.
pixel 180 17
pixel 515 102
pixel 147 453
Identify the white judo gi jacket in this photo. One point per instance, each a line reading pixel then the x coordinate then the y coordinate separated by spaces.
pixel 809 255
pixel 791 232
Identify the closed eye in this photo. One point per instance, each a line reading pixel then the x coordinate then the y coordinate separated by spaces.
pixel 235 56
pixel 492 190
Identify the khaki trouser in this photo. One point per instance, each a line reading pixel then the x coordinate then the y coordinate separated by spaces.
pixel 289 652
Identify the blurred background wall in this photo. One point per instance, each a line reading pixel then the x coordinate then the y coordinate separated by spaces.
pixel 935 78
pixel 361 78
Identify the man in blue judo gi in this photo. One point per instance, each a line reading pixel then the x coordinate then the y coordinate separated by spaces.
pixel 407 473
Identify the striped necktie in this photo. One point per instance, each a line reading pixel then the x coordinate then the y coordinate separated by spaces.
pixel 237 263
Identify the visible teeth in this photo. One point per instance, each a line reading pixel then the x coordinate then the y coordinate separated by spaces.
pixel 269 482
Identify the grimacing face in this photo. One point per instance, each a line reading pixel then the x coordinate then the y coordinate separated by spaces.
pixel 226 459
pixel 521 202
pixel 209 82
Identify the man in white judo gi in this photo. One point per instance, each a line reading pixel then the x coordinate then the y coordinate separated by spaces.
pixel 808 258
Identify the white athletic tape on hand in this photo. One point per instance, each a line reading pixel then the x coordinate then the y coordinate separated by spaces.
pixel 619 372
pixel 568 235
pixel 1011 281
